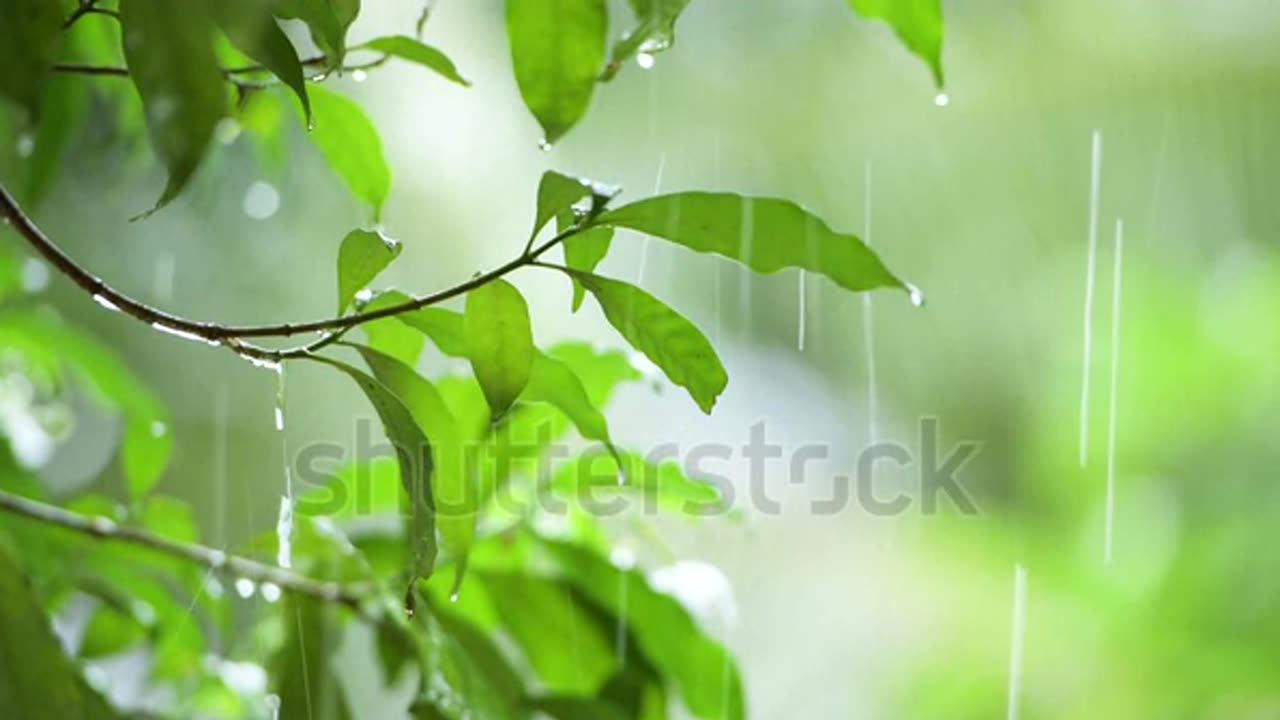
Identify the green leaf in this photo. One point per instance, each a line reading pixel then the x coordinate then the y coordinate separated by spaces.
pixel 655 31
pixel 328 21
pixel 33 37
pixel 415 51
pixel 557 48
pixel 252 29
pixel 765 234
pixel 454 685
pixel 389 335
pixel 350 144
pixel 569 707
pixel 556 194
pixel 63 113
pixel 499 342
pixel 414 454
pixel 666 483
pixel 664 336
pixel 583 251
pixel 554 382
pixel 36 679
pixel 361 256
pixel 110 631
pixel 918 24
pixel 144 453
pixel 168 47
pixel 305 682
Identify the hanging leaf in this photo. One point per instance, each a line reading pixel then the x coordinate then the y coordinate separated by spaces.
pixel 416 51
pixel 499 342
pixel 583 251
pixel 168 47
pixel 145 451
pixel 557 48
pixel 252 29
pixel 918 24
pixel 328 21
pixel 554 382
pixel 350 144
pixel 33 36
pixel 414 454
pixel 655 31
pixel 664 336
pixel 305 682
pixel 361 256
pixel 665 483
pixel 765 234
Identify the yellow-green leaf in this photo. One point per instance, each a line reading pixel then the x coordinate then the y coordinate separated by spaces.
pixel 499 342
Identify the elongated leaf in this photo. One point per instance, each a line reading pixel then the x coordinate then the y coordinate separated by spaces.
pixel 584 251
pixel 414 454
pixel 362 255
pixel 452 491
pixel 499 342
pixel 145 451
pixel 63 112
pixel 665 483
pixel 389 335
pixel 556 193
pixel 32 37
pixel 557 47
pixel 251 28
pixel 328 21
pixel 168 47
pixel 554 382
pixel 655 31
pixel 304 680
pixel 350 144
pixel 570 707
pixel 765 234
pixel 416 51
pixel 662 335
pixel 918 24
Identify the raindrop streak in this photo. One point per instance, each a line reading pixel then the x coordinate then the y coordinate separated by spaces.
pixel 868 329
pixel 1109 523
pixel 221 413
pixel 744 251
pixel 284 522
pixel 800 321
pixel 185 335
pixel 104 302
pixel 644 60
pixel 1095 176
pixel 719 266
pixel 1016 631
pixel 163 286
pixel 644 246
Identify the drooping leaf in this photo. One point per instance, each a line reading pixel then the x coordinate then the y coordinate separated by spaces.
pixel 350 144
pixel 145 451
pixel 918 24
pixel 304 681
pixel 655 31
pixel 765 234
pixel 584 251
pixel 251 27
pixel 414 454
pixel 168 47
pixel 556 193
pixel 499 342
pixel 416 51
pixel 63 112
pixel 33 35
pixel 557 48
pixel 361 256
pixel 663 484
pixel 328 21
pixel 554 382
pixel 454 686
pixel 600 370
pixel 664 336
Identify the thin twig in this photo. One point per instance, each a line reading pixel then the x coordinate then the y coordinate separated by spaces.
pixel 215 560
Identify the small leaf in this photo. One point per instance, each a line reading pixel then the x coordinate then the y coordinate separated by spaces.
pixel 557 48
pixel 499 342
pixel 328 21
pixel 252 29
pixel 145 451
pixel 583 251
pixel 556 194
pixel 416 51
pixel 655 31
pixel 362 255
pixel 918 24
pixel 765 234
pixel 168 47
pixel 350 144
pixel 32 40
pixel 663 335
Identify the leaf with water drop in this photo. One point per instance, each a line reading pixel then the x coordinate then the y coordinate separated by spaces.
pixel 918 23
pixel 664 336
pixel 145 450
pixel 250 26
pixel 654 32
pixel 350 144
pixel 416 51
pixel 557 48
pixel 765 234
pixel 583 251
pixel 168 47
pixel 499 342
pixel 556 194
pixel 327 20
pixel 663 484
pixel 554 382
pixel 361 256
pixel 33 37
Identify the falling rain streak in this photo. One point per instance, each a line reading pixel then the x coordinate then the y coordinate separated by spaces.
pixel 1109 522
pixel 800 321
pixel 868 329
pixel 644 245
pixel 284 521
pixel 1095 176
pixel 1017 628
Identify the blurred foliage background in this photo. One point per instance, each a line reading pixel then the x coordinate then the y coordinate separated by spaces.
pixel 982 202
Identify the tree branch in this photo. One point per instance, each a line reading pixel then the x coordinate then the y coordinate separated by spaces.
pixel 211 558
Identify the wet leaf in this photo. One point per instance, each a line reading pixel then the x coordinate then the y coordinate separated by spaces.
pixel 499 342
pixel 654 32
pixel 303 678
pixel 252 29
pixel 918 24
pixel 390 335
pixel 168 47
pixel 416 51
pixel 556 193
pixel 350 144
pixel 554 382
pixel 557 48
pixel 765 234
pixel 361 256
pixel 664 483
pixel 327 20
pixel 584 251
pixel 33 36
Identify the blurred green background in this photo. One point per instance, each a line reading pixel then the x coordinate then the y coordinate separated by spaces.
pixel 982 202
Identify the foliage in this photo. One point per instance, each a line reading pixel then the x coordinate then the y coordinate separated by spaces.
pixel 484 639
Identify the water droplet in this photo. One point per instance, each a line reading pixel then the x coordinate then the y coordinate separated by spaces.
pixel 917 297
pixel 544 146
pixel 184 334
pixel 272 702
pixel 363 296
pixel 453 596
pixel 263 363
pixel 217 559
pixel 245 587
pixel 279 418
pixel 227 131
pixel 622 558
pixel 158 429
pixel 644 60
pixel 261 201
pixel 270 592
pixel 359 76
pixel 284 533
pixel 35 275
pixel 26 145
pixel 941 99
pixel 104 302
